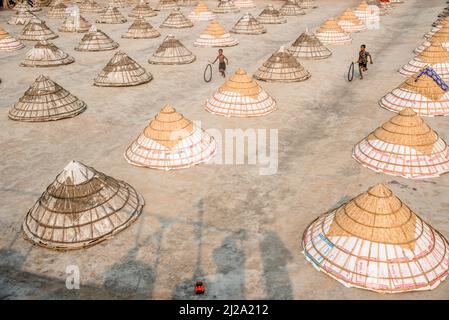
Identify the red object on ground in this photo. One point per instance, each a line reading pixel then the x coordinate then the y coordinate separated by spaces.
pixel 199 287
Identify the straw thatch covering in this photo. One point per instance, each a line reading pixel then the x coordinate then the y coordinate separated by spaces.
pixel 141 29
pixel 57 12
pixel 308 46
pixel 90 6
pixel 376 242
pixel 172 51
pixel 142 10
pixel 247 4
pixel 247 24
pixel 176 20
pixel 112 16
pixel 437 26
pixel 435 56
pixel 122 71
pixel 46 100
pixel 215 36
pixel 201 13
pixel 37 30
pixel 46 54
pixel 170 141
pixel 81 208
pixel 270 15
pixel 282 67
pixel 226 6
pixel 290 8
pixel 405 146
pixel 367 14
pixel 307 4
pixel 96 40
pixel 331 33
pixel 74 22
pixel 22 17
pixel 423 94
pixel 441 36
pixel 350 22
pixel 241 96
pixel 24 5
pixel 9 43
pixel 168 5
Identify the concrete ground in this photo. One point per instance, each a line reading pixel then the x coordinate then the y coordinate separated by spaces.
pixel 227 224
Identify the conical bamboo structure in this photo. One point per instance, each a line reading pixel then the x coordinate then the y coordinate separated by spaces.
pixel 187 3
pixel 90 6
pixel 241 96
pixel 201 13
pixel 46 100
pixel 226 6
pixel 166 5
pixel 307 4
pixel 406 147
pixel 142 10
pixel 443 23
pixel 246 4
pixel 24 5
pixel 141 29
pixel 118 3
pixel 22 17
pixel 382 9
pixel 46 54
pixel 172 51
pixel 270 15
pixel 170 141
pixel 37 30
pixel 290 8
pixel 81 208
pixel 435 56
pixel 331 33
pixel 112 16
pixel 9 43
pixel 366 14
pixel 307 46
pixel 122 71
pixel 441 36
pixel 247 24
pixel 176 20
pixel 425 94
pixel 350 22
pixel 215 36
pixel 74 22
pixel 57 12
pixel 96 40
pixel 282 67
pixel 376 242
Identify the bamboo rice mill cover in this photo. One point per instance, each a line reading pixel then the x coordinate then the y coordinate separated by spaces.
pixel 166 5
pixel 46 54
pixel 282 67
pixel 141 29
pixel 215 36
pixel 290 8
pixel 226 6
pixel 370 15
pixel 308 46
pixel 171 141
pixel 435 56
pixel 425 92
pixel 247 24
pixel 331 33
pixel 376 242
pixel 90 6
pixel 74 22
pixel 246 4
pixel 441 36
pixel 22 17
pixel 122 71
pixel 96 40
pixel 241 96
pixel 201 13
pixel 9 43
pixel 172 51
pixel 350 22
pixel 46 100
pixel 112 16
pixel 142 10
pixel 37 30
pixel 404 146
pixel 57 12
pixel 270 15
pixel 176 20
pixel 81 208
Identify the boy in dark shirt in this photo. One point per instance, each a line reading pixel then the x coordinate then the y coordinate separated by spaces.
pixel 363 60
